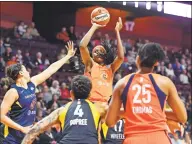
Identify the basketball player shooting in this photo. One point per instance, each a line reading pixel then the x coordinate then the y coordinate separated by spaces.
pixel 102 66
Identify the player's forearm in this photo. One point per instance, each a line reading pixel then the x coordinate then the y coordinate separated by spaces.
pixel 7 121
pixel 53 68
pixel 85 40
pixel 30 137
pixel 120 49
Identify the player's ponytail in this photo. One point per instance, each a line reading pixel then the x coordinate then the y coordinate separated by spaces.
pixel 6 82
pixel 12 75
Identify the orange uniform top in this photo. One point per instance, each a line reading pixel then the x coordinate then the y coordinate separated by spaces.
pixel 102 83
pixel 144 104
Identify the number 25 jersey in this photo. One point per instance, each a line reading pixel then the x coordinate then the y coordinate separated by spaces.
pixel 79 121
pixel 143 103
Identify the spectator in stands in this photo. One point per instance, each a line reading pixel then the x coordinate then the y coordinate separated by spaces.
pixel 53 104
pixel 39 115
pixel 71 34
pixel 63 35
pixel 19 56
pixel 33 30
pixel 2 47
pixel 130 58
pixel 177 68
pixel 27 60
pixel 7 42
pixel 55 88
pixel 40 103
pixel 170 71
pixel 183 64
pixel 8 54
pixel 47 94
pixel 15 32
pixel 46 61
pixel 47 137
pixel 38 61
pixel 12 61
pixel 27 34
pixel 65 93
pixel 184 77
pixel 22 28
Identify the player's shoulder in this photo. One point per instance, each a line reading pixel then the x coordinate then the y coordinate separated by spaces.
pixel 161 78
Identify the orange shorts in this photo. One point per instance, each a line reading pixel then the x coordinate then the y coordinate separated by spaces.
pixel 160 137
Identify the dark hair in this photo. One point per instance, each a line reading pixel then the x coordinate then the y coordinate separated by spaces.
pixel 81 87
pixel 110 53
pixel 12 74
pixel 150 53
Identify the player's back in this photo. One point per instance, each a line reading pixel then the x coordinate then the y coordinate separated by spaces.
pixel 79 122
pixel 144 102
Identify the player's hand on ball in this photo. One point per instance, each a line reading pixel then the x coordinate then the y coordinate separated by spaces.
pixel 70 48
pixel 97 26
pixel 119 25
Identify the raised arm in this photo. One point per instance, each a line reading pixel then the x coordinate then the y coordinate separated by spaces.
pixel 120 53
pixel 42 126
pixel 10 97
pixel 176 104
pixel 87 60
pixel 38 79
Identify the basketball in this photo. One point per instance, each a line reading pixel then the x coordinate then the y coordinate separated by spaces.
pixel 100 16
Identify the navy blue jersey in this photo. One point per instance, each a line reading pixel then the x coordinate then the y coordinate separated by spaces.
pixel 23 112
pixel 79 121
pixel 113 135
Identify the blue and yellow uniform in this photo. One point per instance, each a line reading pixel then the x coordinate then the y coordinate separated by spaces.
pixel 79 121
pixel 23 112
pixel 113 135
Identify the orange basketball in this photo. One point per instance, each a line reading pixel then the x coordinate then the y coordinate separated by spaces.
pixel 100 16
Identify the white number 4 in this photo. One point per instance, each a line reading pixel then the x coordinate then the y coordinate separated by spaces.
pixel 142 89
pixel 78 111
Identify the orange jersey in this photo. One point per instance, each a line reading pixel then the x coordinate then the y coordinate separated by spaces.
pixel 102 82
pixel 144 104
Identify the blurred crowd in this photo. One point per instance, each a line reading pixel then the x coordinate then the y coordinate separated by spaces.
pixel 55 92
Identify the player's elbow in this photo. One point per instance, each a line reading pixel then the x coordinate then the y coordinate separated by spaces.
pixel 110 122
pixel 82 45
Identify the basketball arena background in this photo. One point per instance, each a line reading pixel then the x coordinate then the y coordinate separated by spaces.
pixel 34 33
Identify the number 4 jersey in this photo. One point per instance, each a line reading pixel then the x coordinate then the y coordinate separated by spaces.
pixel 144 105
pixel 79 121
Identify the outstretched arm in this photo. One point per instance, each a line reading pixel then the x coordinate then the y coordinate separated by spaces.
pixel 87 60
pixel 38 79
pixel 41 126
pixel 120 53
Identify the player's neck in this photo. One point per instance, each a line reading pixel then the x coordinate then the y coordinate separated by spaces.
pixel 144 70
pixel 21 83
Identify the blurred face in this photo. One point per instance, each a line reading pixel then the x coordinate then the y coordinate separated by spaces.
pixel 170 66
pixel 46 89
pixel 39 55
pixel 63 85
pixel 24 73
pixel 71 28
pixel 27 54
pixel 98 53
pixel 33 24
pixel 63 29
